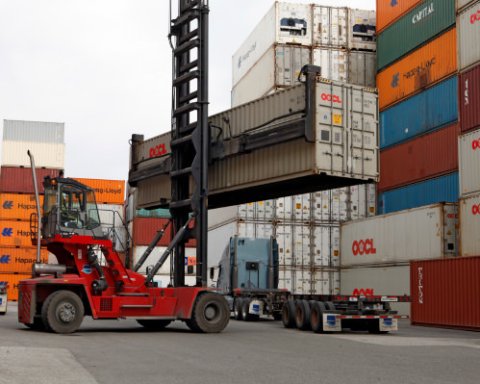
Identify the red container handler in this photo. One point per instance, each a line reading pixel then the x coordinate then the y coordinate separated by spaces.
pixel 145 228
pixel 469 99
pixel 446 292
pixel 427 156
pixel 20 180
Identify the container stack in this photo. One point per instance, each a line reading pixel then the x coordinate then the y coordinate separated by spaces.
pixel 376 252
pixel 307 229
pixel 17 200
pixel 417 84
pixel 339 40
pixel 468 24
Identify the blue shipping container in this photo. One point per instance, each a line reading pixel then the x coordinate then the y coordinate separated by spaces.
pixel 429 110
pixel 440 189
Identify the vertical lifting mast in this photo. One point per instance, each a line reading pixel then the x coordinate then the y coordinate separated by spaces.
pixel 190 135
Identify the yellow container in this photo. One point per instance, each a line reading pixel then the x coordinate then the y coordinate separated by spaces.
pixel 19 260
pixel 12 280
pixel 15 234
pixel 106 191
pixel 14 206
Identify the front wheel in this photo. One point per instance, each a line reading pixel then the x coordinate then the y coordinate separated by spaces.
pixel 210 314
pixel 62 312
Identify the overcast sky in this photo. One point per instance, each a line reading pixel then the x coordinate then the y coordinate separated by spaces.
pixel 103 67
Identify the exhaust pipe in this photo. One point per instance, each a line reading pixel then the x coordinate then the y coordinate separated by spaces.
pixel 37 200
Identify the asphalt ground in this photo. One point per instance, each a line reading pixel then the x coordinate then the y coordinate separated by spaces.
pixel 117 352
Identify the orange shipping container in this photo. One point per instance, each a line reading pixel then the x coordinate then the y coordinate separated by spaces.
pixel 420 69
pixel 14 206
pixel 106 191
pixel 20 260
pixel 390 10
pixel 12 280
pixel 15 234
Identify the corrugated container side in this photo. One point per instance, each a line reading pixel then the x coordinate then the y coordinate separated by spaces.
pixel 445 293
pixel 144 229
pixel 468 22
pixel 19 260
pixel 47 155
pixel 431 191
pixel 418 70
pixel 305 281
pixel 333 63
pixel 14 206
pixel 464 3
pixel 416 27
pixel 469 208
pixel 362 29
pixel 469 159
pixel 378 280
pixel 469 99
pixel 426 111
pixel 361 68
pixel 106 191
pixel 427 232
pixel 34 131
pixel 330 26
pixel 389 11
pixel 421 158
pixel 20 180
pixel 12 280
pixel 15 233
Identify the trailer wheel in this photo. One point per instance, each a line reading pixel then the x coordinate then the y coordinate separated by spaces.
pixel 154 325
pixel 330 306
pixel 288 314
pixel 302 315
pixel 37 324
pixel 62 312
pixel 245 308
pixel 316 316
pixel 210 314
pixel 237 309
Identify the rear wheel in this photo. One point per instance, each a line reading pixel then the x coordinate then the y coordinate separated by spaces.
pixel 237 309
pixel 154 325
pixel 62 312
pixel 288 314
pixel 302 315
pixel 316 316
pixel 210 314
pixel 246 310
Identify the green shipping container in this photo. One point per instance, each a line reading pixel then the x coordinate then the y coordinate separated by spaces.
pixel 418 26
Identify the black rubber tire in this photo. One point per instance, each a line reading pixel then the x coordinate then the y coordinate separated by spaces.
pixel 3 313
pixel 210 314
pixel 62 312
pixel 302 315
pixel 316 316
pixel 154 324
pixel 37 324
pixel 330 306
pixel 288 314
pixel 237 309
pixel 245 308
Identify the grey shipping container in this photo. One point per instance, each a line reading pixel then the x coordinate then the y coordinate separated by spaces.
pixel 468 35
pixel 34 131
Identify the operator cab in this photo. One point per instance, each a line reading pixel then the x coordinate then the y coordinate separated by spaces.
pixel 69 208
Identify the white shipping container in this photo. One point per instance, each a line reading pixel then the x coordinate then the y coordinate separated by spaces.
pixel 284 23
pixel 468 36
pixel 255 230
pixel 152 259
pixel 362 68
pixel 469 162
pixel 112 219
pixel 305 281
pixel 421 233
pixel 344 28
pixel 264 210
pixel 47 155
pixel 333 62
pixel 218 241
pixel 463 3
pixel 278 67
pixel 378 281
pixel 221 216
pixel 469 234
pixel 34 131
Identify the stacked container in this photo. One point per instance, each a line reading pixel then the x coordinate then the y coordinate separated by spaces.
pixel 468 24
pixel 339 40
pixel 375 252
pixel 17 200
pixel 307 231
pixel 417 83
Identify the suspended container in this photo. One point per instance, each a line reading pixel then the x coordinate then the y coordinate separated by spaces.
pixel 47 155
pixel 418 26
pixel 445 293
pixel 469 159
pixel 426 156
pixel 431 191
pixel 418 70
pixel 468 24
pixel 422 233
pixel 429 110
pixel 156 254
pixel 34 131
